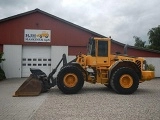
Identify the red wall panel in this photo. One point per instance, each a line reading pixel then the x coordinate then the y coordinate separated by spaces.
pixel 133 51
pixel 12 31
pixel 142 53
pixel 75 50
pixel 116 48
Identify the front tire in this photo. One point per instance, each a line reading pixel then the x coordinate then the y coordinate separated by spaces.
pixel 124 81
pixel 70 80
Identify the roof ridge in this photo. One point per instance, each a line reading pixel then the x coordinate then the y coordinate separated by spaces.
pixel 75 25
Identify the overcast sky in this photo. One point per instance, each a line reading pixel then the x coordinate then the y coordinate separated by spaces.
pixel 121 19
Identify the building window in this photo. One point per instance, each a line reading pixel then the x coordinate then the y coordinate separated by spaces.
pixel 24 59
pixel 44 64
pixel 39 59
pixel 23 64
pixel 39 64
pixel 44 59
pixel 34 64
pixel 29 59
pixel 29 64
pixel 34 59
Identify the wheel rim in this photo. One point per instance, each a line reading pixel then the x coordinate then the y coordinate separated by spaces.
pixel 126 81
pixel 70 80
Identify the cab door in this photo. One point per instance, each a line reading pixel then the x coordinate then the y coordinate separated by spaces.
pixel 103 52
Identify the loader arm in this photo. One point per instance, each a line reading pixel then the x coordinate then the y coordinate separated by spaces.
pixel 38 81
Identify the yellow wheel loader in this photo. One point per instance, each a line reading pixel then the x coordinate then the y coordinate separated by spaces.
pixel 119 72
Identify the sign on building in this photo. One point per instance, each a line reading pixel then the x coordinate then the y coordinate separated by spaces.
pixel 31 35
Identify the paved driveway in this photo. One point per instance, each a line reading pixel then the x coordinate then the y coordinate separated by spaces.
pixel 94 102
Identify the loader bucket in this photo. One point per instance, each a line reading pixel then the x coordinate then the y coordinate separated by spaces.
pixel 31 87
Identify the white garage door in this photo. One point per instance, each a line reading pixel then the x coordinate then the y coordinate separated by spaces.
pixel 36 57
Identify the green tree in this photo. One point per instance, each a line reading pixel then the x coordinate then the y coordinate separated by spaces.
pixel 154 38
pixel 138 42
pixel 1 59
pixel 2 74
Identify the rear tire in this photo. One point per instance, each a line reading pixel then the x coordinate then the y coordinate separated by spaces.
pixel 70 80
pixel 124 81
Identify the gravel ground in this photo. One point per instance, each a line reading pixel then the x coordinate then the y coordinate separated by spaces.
pixel 17 108
pixel 97 102
pixel 94 102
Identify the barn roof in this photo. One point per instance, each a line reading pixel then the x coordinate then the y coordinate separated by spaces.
pixel 50 15
pixel 72 24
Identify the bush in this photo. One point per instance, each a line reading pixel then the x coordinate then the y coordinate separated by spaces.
pixel 2 74
pixel 1 59
pixel 150 67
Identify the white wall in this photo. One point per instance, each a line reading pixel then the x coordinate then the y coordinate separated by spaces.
pixel 56 55
pixel 13 59
pixel 156 63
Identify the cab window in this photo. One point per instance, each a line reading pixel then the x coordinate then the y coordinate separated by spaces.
pixel 103 48
pixel 93 52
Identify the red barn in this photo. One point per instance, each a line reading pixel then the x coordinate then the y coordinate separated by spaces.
pixel 36 39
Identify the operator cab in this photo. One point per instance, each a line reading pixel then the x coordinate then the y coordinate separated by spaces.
pixel 102 46
pixel 100 49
